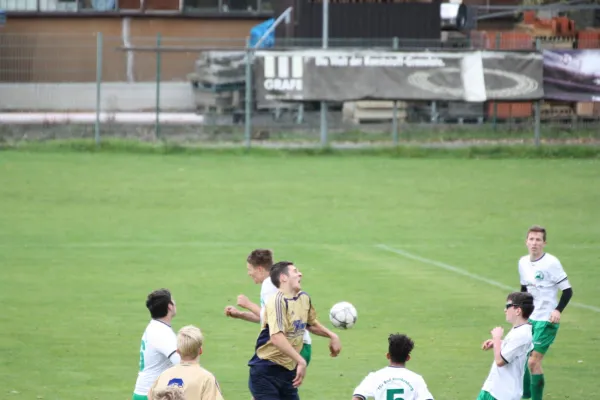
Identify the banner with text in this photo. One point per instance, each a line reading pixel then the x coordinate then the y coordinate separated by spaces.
pixel 572 75
pixel 343 75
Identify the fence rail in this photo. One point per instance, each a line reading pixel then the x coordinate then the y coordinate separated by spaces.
pixel 98 86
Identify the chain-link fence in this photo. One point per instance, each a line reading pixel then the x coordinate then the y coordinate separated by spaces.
pixel 155 88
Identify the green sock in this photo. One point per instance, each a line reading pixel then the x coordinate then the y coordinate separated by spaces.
pixel 527 384
pixel 537 387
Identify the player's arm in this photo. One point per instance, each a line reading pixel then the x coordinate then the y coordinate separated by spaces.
pixel 364 389
pixel 244 302
pixel 249 316
pixel 563 284
pixel 499 358
pixel 522 281
pixel 560 279
pixel 316 328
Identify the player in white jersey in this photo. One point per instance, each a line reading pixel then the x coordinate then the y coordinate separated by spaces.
pixel 505 380
pixel 395 381
pixel 259 264
pixel 542 275
pixel 158 350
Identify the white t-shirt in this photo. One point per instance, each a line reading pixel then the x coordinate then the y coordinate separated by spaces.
pixel 157 354
pixel 395 383
pixel 268 289
pixel 506 382
pixel 543 277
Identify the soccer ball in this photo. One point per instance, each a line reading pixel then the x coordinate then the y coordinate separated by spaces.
pixel 343 315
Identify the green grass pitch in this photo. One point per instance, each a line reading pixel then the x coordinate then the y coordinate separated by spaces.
pixel 85 237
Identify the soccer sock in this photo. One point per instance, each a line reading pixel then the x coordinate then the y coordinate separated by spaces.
pixel 527 384
pixel 537 387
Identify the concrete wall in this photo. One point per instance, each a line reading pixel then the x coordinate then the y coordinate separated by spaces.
pixel 82 97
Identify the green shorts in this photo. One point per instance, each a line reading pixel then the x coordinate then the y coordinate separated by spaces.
pixel 139 397
pixel 483 395
pixel 544 333
pixel 306 352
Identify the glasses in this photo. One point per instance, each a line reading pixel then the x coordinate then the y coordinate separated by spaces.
pixel 509 305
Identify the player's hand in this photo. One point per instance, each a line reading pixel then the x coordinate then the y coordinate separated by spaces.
pixel 555 317
pixel 243 301
pixel 497 332
pixel 488 344
pixel 231 311
pixel 300 373
pixel 335 346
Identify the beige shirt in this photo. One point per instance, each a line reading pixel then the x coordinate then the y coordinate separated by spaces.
pixel 290 315
pixel 197 382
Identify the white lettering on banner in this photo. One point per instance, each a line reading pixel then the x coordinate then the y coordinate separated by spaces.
pixel 379 61
pixel 283 84
pixel 278 75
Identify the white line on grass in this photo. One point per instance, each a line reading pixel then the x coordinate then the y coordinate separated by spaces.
pixel 463 272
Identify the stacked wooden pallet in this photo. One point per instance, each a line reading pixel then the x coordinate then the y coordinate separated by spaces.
pixel 218 81
pixel 360 112
pixel 588 110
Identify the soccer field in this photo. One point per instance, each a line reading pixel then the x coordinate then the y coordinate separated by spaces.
pixel 427 247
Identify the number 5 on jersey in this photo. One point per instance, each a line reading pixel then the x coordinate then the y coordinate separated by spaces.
pixel 394 394
pixel 142 348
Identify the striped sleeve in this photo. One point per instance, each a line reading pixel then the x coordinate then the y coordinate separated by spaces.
pixel 276 311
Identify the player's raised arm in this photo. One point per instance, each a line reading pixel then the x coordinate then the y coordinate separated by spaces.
pixel 315 327
pixel 231 311
pixel 244 302
pixel 258 266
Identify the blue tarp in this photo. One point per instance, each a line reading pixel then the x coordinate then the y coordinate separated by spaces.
pixel 259 30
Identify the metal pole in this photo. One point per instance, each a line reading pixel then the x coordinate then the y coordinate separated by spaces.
pixel 248 95
pixel 395 112
pixel 495 116
pixel 536 109
pixel 158 67
pixel 99 46
pixel 325 45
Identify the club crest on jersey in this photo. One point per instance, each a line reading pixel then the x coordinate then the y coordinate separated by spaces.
pixel 298 325
pixel 539 275
pixel 175 382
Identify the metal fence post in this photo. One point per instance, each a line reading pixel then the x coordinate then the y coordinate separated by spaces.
pixel 395 139
pixel 158 73
pixel 99 45
pixel 325 42
pixel 248 95
pixel 537 108
pixel 495 116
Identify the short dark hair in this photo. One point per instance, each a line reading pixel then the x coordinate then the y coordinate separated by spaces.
pixel 261 258
pixel 524 301
pixel 158 303
pixel 277 269
pixel 400 347
pixel 539 229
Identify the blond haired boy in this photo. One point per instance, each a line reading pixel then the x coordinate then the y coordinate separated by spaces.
pixel 197 383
